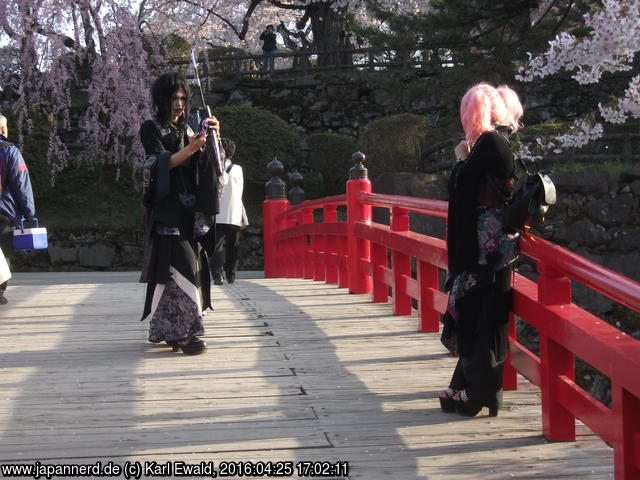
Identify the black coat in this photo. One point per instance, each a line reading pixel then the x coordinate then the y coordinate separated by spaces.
pixel 489 162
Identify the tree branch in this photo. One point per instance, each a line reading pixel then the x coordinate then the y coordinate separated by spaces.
pixel 37 28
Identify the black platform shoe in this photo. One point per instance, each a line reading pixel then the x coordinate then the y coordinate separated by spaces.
pixel 193 346
pixel 173 344
pixel 469 408
pixel 446 400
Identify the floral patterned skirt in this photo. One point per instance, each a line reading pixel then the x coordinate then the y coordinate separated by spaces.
pixel 497 249
pixel 175 306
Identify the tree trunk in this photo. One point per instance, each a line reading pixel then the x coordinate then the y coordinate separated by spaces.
pixel 327 24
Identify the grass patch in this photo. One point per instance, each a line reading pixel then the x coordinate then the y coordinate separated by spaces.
pixel 612 167
pixel 83 199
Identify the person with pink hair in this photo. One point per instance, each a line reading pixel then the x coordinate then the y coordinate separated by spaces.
pixel 481 250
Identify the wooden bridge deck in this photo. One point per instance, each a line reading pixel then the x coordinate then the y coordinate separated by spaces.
pixel 296 371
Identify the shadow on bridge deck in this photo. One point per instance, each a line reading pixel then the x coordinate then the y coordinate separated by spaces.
pixel 296 371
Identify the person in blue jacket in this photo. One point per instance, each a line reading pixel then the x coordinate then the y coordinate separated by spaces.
pixel 16 194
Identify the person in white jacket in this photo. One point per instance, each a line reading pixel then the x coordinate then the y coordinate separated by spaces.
pixel 230 220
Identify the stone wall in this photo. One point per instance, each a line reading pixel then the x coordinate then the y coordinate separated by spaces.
pixel 598 217
pixel 92 250
pixel 342 103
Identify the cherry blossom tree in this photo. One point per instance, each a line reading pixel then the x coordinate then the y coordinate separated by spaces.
pixel 610 46
pixel 90 48
pixel 240 22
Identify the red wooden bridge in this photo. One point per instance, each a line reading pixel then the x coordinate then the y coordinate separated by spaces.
pixel 314 378
pixel 354 254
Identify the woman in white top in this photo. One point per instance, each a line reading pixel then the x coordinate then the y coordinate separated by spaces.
pixel 230 220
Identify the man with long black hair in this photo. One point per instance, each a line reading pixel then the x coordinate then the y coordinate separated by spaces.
pixel 180 200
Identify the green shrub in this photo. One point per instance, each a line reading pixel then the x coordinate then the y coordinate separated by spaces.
pixel 82 199
pixel 259 136
pixel 393 143
pixel 330 155
pixel 545 129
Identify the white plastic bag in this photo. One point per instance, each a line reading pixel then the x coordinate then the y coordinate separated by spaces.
pixel 5 274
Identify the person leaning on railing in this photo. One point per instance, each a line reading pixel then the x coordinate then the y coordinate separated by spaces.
pixel 481 249
pixel 269 47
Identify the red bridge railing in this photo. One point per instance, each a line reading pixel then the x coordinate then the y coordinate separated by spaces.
pixel 354 254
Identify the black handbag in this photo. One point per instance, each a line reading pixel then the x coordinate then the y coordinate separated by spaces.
pixel 530 199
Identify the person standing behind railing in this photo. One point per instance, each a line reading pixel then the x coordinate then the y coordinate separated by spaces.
pixel 481 249
pixel 269 47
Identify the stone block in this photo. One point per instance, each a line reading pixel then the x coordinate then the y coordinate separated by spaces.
pixel 625 238
pixel 630 175
pixel 98 255
pixel 627 264
pixel 63 254
pixel 583 232
pixel 591 300
pixel 611 211
pixel 583 181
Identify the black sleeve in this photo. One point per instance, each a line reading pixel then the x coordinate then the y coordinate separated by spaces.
pixel 490 154
pixel 157 161
pixel 150 138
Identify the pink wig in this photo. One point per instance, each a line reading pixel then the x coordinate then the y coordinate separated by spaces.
pixel 481 108
pixel 513 105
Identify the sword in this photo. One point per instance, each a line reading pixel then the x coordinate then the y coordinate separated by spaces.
pixel 204 125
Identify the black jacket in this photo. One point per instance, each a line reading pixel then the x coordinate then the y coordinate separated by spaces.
pixel 269 40
pixel 489 159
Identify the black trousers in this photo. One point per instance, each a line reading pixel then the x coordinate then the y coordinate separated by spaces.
pixel 484 340
pixel 6 242
pixel 226 252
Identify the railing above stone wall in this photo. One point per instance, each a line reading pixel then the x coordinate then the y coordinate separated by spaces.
pixel 303 61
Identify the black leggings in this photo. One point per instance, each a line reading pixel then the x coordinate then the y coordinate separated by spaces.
pixel 226 253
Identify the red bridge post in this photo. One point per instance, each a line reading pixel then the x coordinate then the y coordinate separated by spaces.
pixel 401 263
pixel 626 451
pixel 307 245
pixel 331 246
pixel 275 203
pixel 555 360
pixel 359 249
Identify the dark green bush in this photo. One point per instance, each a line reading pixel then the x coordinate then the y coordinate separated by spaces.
pixel 330 155
pixel 394 143
pixel 259 136
pixel 545 129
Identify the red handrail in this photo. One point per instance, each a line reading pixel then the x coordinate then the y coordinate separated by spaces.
pixel 318 203
pixel 354 254
pixel 615 286
pixel 434 208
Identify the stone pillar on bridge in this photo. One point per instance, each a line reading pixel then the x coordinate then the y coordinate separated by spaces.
pixel 296 194
pixel 358 248
pixel 275 203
